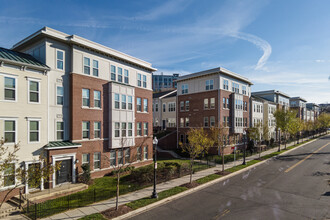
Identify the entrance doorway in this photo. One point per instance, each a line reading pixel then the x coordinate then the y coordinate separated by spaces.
pixel 64 174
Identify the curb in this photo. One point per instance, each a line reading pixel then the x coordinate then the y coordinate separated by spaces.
pixel 189 191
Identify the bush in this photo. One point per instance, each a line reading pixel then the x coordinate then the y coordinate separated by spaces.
pixel 142 175
pixel 85 177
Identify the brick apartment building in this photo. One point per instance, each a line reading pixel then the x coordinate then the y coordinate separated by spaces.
pixel 96 100
pixel 215 97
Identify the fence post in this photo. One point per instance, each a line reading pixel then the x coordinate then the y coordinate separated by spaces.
pixel 35 211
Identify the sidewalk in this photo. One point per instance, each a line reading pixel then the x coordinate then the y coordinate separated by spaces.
pixel 110 203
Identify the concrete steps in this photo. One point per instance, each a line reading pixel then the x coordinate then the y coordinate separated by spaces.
pixel 8 209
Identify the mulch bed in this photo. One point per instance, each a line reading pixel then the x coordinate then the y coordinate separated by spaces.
pixel 190 185
pixel 223 173
pixel 112 213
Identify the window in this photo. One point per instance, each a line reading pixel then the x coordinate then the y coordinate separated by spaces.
pixel 182 106
pixel 224 121
pixel 10 131
pixel 206 103
pixel 224 102
pixel 97 129
pixel 95 68
pixel 85 129
pixel 245 106
pixel 116 101
pixel 181 138
pixel 145 128
pixel 113 72
pixel 34 131
pixel 117 128
pixel 139 128
pixel 184 88
pixel 187 122
pixel 10 88
pixel 212 121
pixel 145 105
pixel 228 122
pixel 139 78
pixel 171 107
pixel 60 130
pixel 59 59
pixel 97 99
pixel 112 158
pixel 156 107
pixel 97 160
pixel 206 121
pixel 235 87
pixel 9 175
pixel 227 103
pixel 145 153
pixel 127 155
pixel 126 75
pixel 59 95
pixel 245 122
pixel 244 90
pixel 181 122
pixel 120 74
pixel 212 104
pixel 209 84
pixel 123 129
pixel 85 159
pixel 225 84
pixel 85 95
pixel 164 107
pixel 130 102
pixel 87 65
pixel 138 104
pixel 187 106
pixel 123 101
pixel 130 129
pixel 144 81
pixel 120 157
pixel 139 153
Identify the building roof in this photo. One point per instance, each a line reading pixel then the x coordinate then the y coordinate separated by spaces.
pixel 298 98
pixel 260 99
pixel 12 56
pixel 270 92
pixel 77 40
pixel 214 71
pixel 164 94
pixel 61 144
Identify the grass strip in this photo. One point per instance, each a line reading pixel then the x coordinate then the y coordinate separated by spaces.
pixel 239 167
pixel 162 195
pixel 208 178
pixel 96 216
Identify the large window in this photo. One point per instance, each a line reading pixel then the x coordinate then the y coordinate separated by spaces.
pixel 127 155
pixel 138 104
pixel 145 128
pixel 212 103
pixel 116 101
pixel 97 160
pixel 9 175
pixel 184 88
pixel 87 66
pixel 117 129
pixel 85 129
pixel 59 95
pixel 113 158
pixel 145 105
pixel 97 129
pixel 10 88
pixel 187 106
pixel 206 103
pixel 235 87
pixel 85 95
pixel 182 106
pixel 34 131
pixel 171 107
pixel 59 59
pixel 139 128
pixel 120 74
pixel 224 102
pixel 97 99
pixel 60 130
pixel 123 129
pixel 130 102
pixel 225 84
pixel 244 90
pixel 144 81
pixel 10 131
pixel 209 84
pixel 123 101
pixel 85 159
pixel 126 76
pixel 95 68
pixel 139 79
pixel 130 129
pixel 145 153
pixel 113 73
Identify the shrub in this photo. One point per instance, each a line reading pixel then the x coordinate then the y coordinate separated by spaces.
pixel 85 177
pixel 142 175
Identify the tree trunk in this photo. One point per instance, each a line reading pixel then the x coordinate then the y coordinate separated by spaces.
pixel 117 194
pixel 191 169
pixel 223 159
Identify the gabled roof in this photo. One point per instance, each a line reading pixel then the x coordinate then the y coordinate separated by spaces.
pixel 164 94
pixel 12 56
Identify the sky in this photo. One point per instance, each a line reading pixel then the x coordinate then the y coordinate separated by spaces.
pixel 277 44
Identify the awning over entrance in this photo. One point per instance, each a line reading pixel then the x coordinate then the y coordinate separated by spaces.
pixel 61 145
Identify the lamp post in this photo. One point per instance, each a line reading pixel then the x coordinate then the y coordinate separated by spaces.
pixel 155 142
pixel 244 139
pixel 279 134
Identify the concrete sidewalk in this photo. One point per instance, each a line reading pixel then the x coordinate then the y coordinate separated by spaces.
pixel 110 203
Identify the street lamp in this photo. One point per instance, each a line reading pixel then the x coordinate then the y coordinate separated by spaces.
pixel 155 142
pixel 279 134
pixel 244 139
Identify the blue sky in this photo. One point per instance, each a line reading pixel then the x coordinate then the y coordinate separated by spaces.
pixel 278 44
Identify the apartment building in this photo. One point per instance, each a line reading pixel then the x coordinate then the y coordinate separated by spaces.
pixel 164 110
pixel 315 109
pixel 23 111
pixel 299 104
pixel 99 101
pixel 281 99
pixel 161 82
pixel 215 97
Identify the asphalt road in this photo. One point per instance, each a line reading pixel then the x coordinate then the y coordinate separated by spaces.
pixel 292 186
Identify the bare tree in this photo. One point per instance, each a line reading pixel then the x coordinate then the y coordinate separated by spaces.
pixel 220 137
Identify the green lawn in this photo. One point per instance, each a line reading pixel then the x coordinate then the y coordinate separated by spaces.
pixel 162 195
pixel 208 178
pixel 96 216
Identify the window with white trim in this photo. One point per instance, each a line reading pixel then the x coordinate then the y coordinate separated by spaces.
pixel 112 158
pixel 144 81
pixel 184 89
pixel 59 130
pixel 87 66
pixel 117 101
pixel 123 101
pixel 145 153
pixel 113 72
pixel 59 59
pixel 117 129
pixel 34 91
pixel 123 129
pixel 164 107
pixel 225 84
pixel 212 103
pixel 97 160
pixel 85 129
pixel 97 129
pixel 130 102
pixel 120 74
pixel 130 129
pixel 206 121
pixel 187 105
pixel 85 159
pixel 34 131
pixel 10 88
pixel 209 84
pixel 212 121
pixel 182 106
pixel 206 103
pixel 59 95
pixel 139 80
pixel 97 99
pixel 10 131
pixel 145 105
pixel 126 76
pixel 85 97
pixel 139 128
pixel 145 128
pixel 235 87
pixel 138 104
pixel 95 68
pixel 9 175
pixel 187 122
pixel 171 107
pixel 244 90
pixel 127 155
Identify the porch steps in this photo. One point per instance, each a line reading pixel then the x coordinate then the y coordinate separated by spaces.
pixel 7 209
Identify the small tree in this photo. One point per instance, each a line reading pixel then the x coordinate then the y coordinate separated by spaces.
pixel 294 127
pixel 265 132
pixel 219 137
pixel 254 134
pixel 283 118
pixel 324 120
pixel 198 142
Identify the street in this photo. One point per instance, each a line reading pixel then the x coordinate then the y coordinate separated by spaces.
pixel 292 186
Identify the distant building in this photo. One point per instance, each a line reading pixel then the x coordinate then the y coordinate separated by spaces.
pixel 164 110
pixel 325 107
pixel 314 108
pixel 162 82
pixel 299 104
pixel 280 98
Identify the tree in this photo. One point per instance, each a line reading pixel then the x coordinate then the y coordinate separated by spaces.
pixel 265 132
pixel 283 118
pixel 198 142
pixel 219 135
pixel 254 133
pixel 294 126
pixel 324 120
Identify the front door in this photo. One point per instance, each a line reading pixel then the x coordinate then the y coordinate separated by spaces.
pixel 164 124
pixel 64 174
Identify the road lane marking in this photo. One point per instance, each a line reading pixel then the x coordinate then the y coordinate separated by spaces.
pixel 293 166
